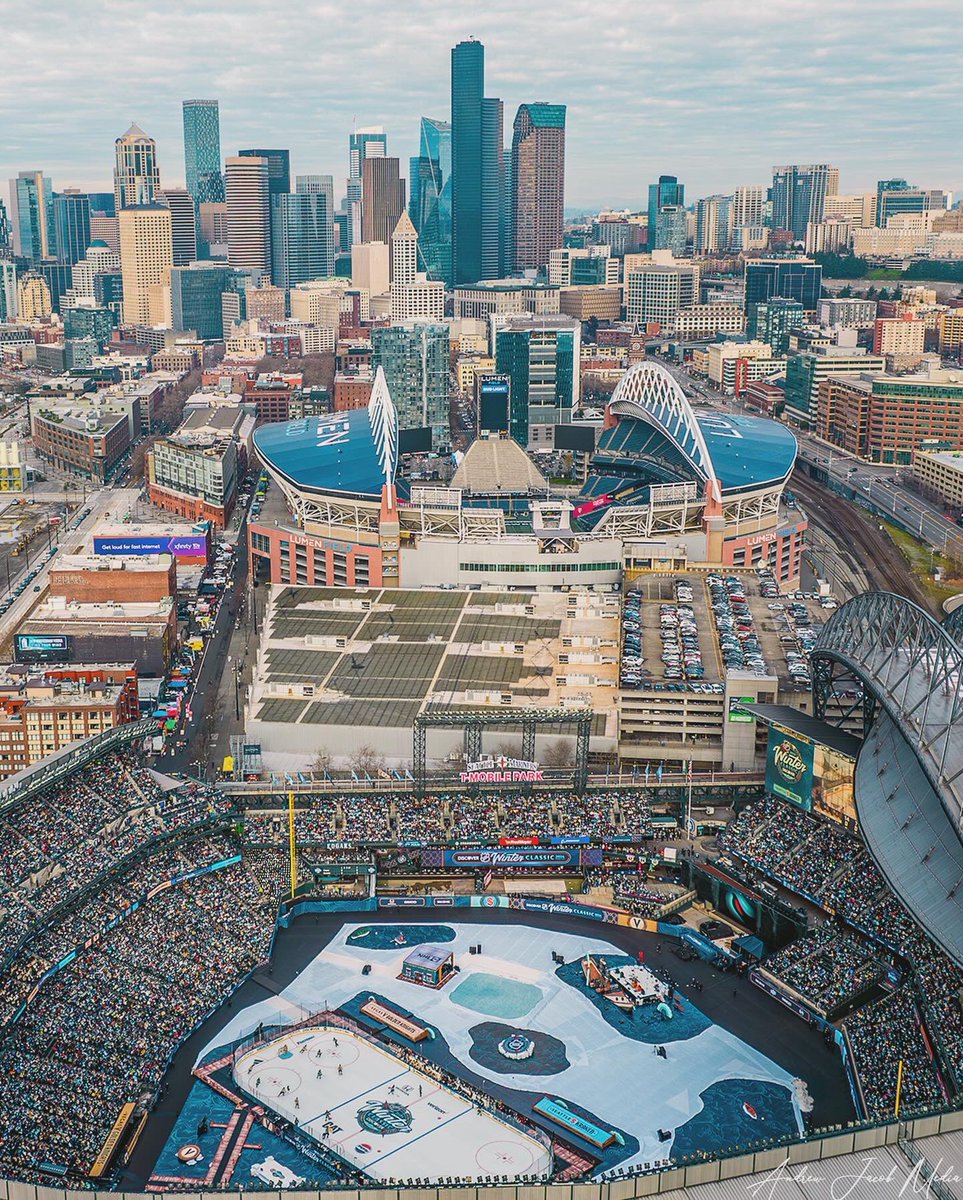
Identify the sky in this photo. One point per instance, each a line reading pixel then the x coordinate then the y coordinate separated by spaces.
pixel 713 91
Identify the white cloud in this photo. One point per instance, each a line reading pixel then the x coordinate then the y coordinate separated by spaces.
pixel 712 90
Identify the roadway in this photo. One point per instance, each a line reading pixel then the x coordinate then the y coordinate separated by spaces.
pixel 72 536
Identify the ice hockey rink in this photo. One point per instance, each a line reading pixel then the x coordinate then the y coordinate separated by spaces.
pixel 616 1079
pixel 374 1111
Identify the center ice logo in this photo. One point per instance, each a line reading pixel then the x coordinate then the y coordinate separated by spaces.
pixel 384 1117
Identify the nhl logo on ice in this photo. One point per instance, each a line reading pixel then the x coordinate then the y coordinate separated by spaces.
pixel 384 1117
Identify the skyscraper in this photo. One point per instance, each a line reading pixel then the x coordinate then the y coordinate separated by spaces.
pixel 538 183
pixel 494 231
pixel 31 213
pixel 429 204
pixel 799 195
pixel 183 223
pixel 300 246
pixel 202 152
pixel 371 142
pixel 248 212
pixel 146 255
pixel 279 168
pixel 415 360
pixel 668 191
pixel 323 186
pixel 712 224
pixel 136 177
pixel 467 92
pixel 382 198
pixel 71 211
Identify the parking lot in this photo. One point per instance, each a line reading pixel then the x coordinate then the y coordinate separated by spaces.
pixel 682 634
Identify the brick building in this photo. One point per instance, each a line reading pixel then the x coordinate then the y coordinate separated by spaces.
pixel 96 579
pixel 885 418
pixel 44 709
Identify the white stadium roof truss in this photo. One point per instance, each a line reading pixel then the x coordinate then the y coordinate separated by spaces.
pixel 647 392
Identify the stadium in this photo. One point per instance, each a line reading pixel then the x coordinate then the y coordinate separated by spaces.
pixel 666 486
pixel 209 988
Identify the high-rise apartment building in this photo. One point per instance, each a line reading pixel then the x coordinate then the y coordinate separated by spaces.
pixel 202 152
pixel 301 248
pixel 748 206
pixel 799 195
pixel 248 212
pixel 278 168
pixel 712 224
pixel 71 213
pixel 429 202
pixel 183 223
pixel 146 258
pixel 540 356
pixel 672 229
pixel 33 298
pixel 136 175
pixel 667 192
pixel 382 198
pixel 8 290
pixel 415 360
pixel 31 214
pixel 538 184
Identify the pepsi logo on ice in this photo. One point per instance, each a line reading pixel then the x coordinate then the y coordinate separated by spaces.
pixel 502 770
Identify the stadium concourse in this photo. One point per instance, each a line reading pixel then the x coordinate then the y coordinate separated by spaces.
pixel 134 907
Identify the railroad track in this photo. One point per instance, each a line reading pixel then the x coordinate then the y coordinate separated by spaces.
pixel 867 549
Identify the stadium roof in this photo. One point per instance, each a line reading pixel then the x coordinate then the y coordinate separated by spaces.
pixel 806 726
pixel 668 440
pixel 353 453
pixel 909 774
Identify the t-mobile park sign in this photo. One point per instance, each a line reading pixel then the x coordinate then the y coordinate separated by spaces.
pixel 502 770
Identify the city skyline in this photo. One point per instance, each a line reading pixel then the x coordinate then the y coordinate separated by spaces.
pixel 653 99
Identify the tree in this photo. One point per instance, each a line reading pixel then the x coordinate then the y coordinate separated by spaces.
pixel 557 753
pixel 321 763
pixel 366 760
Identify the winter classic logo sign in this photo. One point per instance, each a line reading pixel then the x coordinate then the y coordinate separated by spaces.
pixel 502 770
pixel 384 1117
pixel 789 762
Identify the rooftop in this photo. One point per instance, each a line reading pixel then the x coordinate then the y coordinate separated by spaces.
pixel 378 657
pixel 493 465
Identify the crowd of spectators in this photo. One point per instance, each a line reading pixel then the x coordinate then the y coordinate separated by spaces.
pixel 105 1026
pixel 830 865
pixel 486 817
pixel 881 1035
pixel 829 967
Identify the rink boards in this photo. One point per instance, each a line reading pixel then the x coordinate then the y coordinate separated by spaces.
pixel 383 1116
